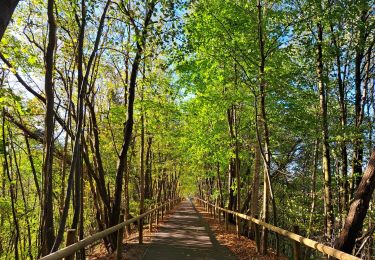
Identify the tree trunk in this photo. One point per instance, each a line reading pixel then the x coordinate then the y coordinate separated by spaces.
pixel 254 207
pixel 26 208
pixel 11 191
pixel 266 153
pixel 6 11
pixel 344 196
pixel 358 209
pixel 313 187
pixel 232 165
pixel 220 186
pixel 128 129
pixel 47 223
pixel 142 166
pixel 128 163
pixel 148 173
pixel 33 170
pixel 76 164
pixel 328 209
pixel 360 98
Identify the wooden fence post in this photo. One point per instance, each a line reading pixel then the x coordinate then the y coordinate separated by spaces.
pixel 257 238
pixel 238 231
pixel 120 234
pixel 296 245
pixel 226 220
pixel 157 215
pixel 70 239
pixel 150 222
pixel 140 231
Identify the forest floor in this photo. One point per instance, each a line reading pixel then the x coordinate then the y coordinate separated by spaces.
pixel 162 241
pixel 242 247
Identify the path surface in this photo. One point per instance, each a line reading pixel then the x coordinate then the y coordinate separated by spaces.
pixel 185 235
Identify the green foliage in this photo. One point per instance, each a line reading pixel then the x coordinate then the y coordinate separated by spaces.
pixel 200 67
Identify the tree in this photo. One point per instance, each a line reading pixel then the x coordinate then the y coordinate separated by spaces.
pixel 6 12
pixel 329 222
pixel 47 222
pixel 147 100
pixel 358 209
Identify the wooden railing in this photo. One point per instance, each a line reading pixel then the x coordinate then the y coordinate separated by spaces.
pixel 68 251
pixel 215 211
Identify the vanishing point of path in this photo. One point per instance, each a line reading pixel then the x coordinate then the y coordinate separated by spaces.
pixel 185 235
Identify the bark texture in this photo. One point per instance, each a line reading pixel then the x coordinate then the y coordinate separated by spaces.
pixel 6 11
pixel 358 209
pixel 47 224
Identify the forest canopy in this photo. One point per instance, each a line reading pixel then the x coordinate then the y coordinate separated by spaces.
pixel 262 107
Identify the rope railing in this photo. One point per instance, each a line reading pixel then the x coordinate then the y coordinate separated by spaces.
pixel 330 251
pixel 71 249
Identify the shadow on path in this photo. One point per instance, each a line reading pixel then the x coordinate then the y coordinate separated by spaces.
pixel 185 235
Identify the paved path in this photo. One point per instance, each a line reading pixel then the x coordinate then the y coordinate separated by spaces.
pixel 185 235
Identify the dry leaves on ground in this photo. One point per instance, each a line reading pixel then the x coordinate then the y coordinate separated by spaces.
pixel 242 247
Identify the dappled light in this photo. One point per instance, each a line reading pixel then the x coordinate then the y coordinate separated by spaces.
pixel 174 129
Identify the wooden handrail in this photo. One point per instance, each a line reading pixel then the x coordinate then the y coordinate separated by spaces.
pixel 69 250
pixel 292 236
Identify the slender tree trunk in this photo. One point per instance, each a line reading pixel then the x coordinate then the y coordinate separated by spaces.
pixel 11 191
pixel 266 153
pixel 360 97
pixel 148 173
pixel 344 195
pixel 329 218
pixel 126 192
pixel 47 223
pixel 127 58
pixel 142 172
pixel 254 207
pixel 232 172
pixel 237 159
pixel 63 172
pixel 26 208
pixel 32 165
pixel 83 81
pixel 232 165
pixel 128 130
pixel 220 186
pixel 81 253
pixel 127 160
pixel 313 187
